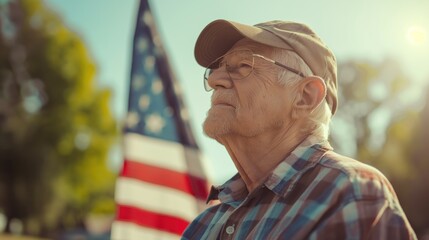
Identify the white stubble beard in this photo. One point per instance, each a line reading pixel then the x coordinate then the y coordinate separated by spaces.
pixel 218 124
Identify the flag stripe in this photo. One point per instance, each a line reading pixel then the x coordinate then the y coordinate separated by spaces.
pixel 156 198
pixel 152 219
pixel 164 177
pixel 158 152
pixel 129 230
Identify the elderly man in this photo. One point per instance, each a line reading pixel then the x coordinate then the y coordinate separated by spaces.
pixel 275 90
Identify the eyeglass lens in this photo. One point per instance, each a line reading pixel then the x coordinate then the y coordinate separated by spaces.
pixel 238 64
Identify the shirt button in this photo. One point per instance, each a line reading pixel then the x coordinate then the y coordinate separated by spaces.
pixel 230 229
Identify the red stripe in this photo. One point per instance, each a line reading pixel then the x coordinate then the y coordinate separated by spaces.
pixel 151 219
pixel 168 178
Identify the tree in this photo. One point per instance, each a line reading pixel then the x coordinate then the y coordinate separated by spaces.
pixel 413 187
pixel 56 127
pixel 381 113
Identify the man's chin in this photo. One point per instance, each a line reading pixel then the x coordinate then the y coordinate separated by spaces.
pixel 209 130
pixel 215 128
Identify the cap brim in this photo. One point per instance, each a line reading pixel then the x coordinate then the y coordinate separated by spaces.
pixel 215 40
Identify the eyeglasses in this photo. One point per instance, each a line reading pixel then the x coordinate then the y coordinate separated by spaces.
pixel 239 64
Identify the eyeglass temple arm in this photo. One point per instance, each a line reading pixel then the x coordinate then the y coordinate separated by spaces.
pixel 281 65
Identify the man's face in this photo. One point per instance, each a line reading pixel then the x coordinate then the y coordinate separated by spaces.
pixel 250 106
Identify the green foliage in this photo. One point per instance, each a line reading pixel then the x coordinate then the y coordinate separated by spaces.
pixel 379 124
pixel 412 137
pixel 56 126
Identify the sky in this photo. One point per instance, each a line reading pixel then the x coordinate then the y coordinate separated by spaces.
pixel 364 30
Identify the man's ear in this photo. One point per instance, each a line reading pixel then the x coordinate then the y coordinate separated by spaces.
pixel 311 92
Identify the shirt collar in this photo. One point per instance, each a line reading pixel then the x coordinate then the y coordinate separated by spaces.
pixel 281 180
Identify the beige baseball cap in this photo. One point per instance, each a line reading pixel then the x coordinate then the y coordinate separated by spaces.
pixel 220 35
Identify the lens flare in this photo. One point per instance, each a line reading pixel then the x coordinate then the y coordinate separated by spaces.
pixel 416 35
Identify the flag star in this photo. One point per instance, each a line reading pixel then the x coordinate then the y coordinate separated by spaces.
pixel 144 102
pixel 177 88
pixel 184 114
pixel 132 119
pixel 147 18
pixel 138 81
pixel 142 44
pixel 155 123
pixel 149 63
pixel 157 86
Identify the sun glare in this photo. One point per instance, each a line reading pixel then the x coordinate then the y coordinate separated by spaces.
pixel 416 35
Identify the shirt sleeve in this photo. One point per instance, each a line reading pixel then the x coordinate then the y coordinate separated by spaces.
pixel 365 219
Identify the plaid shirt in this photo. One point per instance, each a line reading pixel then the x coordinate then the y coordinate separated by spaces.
pixel 312 194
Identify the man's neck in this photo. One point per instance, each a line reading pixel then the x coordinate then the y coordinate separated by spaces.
pixel 256 157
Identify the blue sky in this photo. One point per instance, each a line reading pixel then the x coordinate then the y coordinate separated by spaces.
pixel 367 30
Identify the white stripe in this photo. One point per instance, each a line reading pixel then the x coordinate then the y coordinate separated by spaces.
pixel 131 231
pixel 165 154
pixel 156 198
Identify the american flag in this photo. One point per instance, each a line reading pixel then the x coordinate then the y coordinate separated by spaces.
pixel 161 187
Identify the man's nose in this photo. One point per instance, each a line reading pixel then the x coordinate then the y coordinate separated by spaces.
pixel 220 79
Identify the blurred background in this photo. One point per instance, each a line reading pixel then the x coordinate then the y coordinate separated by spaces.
pixel 65 77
